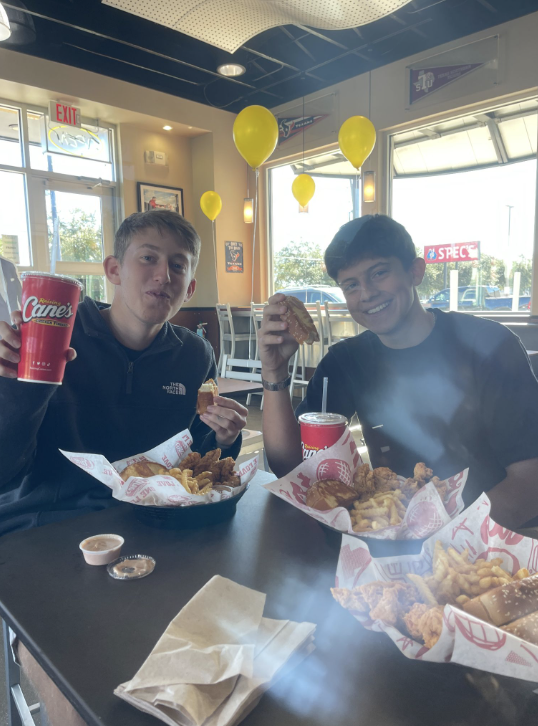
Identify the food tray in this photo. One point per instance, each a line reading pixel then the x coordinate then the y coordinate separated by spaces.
pixel 189 517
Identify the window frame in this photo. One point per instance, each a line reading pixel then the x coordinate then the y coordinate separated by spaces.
pixel 268 196
pixel 37 181
pixel 388 145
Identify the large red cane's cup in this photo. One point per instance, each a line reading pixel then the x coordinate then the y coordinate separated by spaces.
pixel 49 307
pixel 319 431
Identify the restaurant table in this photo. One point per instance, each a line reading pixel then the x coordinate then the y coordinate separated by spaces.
pixel 233 386
pixel 90 632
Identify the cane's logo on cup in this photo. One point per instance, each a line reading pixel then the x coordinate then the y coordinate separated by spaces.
pixel 46 312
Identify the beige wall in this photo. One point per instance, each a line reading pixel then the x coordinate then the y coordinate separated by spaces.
pixel 201 150
pixel 134 140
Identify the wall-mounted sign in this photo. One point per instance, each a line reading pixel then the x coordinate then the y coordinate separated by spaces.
pixel 234 256
pixel 84 142
pixel 9 247
pixel 63 113
pixel 288 127
pixel 455 252
pixel 429 80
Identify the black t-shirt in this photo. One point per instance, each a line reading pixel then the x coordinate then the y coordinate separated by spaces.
pixel 464 397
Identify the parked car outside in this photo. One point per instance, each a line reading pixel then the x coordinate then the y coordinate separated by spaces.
pixel 471 297
pixel 316 293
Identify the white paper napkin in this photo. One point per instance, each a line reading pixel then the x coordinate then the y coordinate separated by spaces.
pixel 216 658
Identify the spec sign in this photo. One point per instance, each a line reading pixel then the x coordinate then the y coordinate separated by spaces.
pixel 63 113
pixel 455 252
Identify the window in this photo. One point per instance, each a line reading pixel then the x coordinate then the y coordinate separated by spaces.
pixel 75 227
pixel 10 143
pixel 85 152
pixel 314 296
pixel 472 180
pixel 58 199
pixel 298 240
pixel 14 238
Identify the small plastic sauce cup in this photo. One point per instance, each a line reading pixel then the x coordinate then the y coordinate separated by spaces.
pixel 101 548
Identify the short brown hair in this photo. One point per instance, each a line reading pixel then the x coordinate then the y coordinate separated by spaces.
pixel 165 221
pixel 368 237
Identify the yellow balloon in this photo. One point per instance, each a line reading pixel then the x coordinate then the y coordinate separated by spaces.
pixel 303 188
pixel 211 204
pixel 356 139
pixel 255 134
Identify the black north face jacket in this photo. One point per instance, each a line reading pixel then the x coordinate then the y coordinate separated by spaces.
pixel 106 405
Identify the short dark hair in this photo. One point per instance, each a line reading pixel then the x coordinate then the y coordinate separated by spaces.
pixel 165 221
pixel 368 237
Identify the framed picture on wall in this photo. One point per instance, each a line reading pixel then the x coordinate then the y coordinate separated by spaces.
pixel 151 196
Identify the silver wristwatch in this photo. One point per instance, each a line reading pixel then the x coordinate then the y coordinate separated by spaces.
pixel 276 386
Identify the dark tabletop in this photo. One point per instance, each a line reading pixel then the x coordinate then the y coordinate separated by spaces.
pixel 91 632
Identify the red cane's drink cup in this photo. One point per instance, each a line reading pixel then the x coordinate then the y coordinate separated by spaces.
pixel 319 431
pixel 49 306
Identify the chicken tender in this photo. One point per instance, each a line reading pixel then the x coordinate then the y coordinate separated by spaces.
pixel 412 620
pixel 190 461
pixel 431 625
pixel 363 481
pixel 422 474
pixel 388 601
pixel 206 462
pixel 350 599
pixel 409 488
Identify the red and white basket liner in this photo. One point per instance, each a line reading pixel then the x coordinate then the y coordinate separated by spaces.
pixel 160 490
pixel 425 514
pixel 464 638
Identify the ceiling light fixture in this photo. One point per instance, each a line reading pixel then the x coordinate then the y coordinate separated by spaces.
pixel 5 30
pixel 167 128
pixel 231 70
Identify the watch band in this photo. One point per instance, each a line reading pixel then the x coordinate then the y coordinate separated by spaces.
pixel 276 386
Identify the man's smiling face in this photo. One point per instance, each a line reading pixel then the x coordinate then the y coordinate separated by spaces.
pixel 156 276
pixel 379 292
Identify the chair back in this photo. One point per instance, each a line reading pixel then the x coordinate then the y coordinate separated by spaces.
pixel 337 314
pixel 224 315
pixel 256 312
pixel 251 369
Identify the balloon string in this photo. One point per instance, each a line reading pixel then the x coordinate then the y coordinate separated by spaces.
pixel 251 331
pixel 215 255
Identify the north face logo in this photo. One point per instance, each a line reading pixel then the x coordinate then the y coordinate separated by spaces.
pixel 177 388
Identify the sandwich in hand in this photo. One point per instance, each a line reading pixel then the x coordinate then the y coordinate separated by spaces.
pixel 300 324
pixel 206 393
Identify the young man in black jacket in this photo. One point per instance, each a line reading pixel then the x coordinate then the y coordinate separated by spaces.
pixel 449 389
pixel 131 381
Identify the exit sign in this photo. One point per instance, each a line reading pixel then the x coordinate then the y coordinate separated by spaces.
pixel 63 113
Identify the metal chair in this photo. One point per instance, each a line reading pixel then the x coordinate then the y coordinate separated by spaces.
pixel 227 332
pixel 337 314
pixel 256 311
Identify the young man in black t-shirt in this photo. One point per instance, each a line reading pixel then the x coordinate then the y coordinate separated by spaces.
pixel 449 389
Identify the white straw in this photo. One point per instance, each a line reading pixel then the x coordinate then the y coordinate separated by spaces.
pixel 324 397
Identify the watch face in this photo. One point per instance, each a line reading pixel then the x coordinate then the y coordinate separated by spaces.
pixel 277 386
